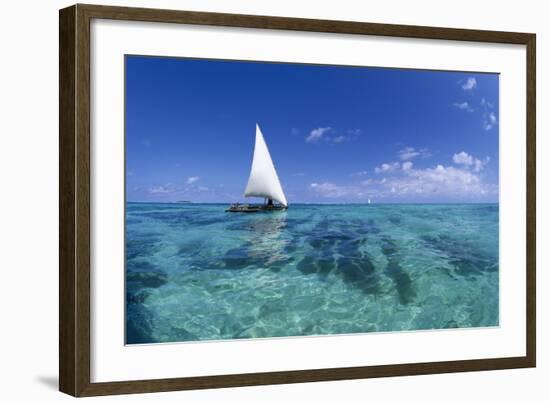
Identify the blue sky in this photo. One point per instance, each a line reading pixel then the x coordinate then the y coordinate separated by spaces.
pixel 336 134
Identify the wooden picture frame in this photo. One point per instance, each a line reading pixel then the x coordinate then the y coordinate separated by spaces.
pixel 74 200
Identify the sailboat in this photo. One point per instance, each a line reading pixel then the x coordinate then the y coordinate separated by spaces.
pixel 263 182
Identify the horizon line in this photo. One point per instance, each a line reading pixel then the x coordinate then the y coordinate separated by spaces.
pixel 318 203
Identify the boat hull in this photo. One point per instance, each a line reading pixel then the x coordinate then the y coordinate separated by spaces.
pixel 255 208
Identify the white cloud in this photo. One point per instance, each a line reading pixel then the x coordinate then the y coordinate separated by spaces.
pixel 317 134
pixel 330 190
pixel 469 84
pixel 387 167
pixel 367 182
pixel 478 165
pixel 409 153
pixel 359 173
pixel 192 180
pixel 463 158
pixel 440 180
pixel 486 103
pixel 328 134
pixel 462 181
pixel 488 117
pixel 464 106
pixel 162 189
pixel 467 160
pixel 489 120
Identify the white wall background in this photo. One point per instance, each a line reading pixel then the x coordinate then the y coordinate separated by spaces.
pixel 29 183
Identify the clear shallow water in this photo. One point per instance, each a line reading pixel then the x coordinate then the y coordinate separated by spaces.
pixel 194 272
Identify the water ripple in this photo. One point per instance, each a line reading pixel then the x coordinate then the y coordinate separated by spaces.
pixel 194 272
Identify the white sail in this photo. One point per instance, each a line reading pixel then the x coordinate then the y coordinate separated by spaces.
pixel 263 181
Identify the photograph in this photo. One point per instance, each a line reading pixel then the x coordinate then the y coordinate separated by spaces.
pixel 274 199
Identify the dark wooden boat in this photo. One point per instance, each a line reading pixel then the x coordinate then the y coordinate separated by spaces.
pixel 254 208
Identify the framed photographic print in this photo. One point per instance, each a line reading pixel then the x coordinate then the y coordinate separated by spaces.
pixel 250 200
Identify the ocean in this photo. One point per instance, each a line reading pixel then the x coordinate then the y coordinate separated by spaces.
pixel 194 272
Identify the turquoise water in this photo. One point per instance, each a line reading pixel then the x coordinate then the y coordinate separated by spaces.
pixel 194 272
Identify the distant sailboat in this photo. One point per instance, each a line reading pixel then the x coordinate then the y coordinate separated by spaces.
pixel 368 201
pixel 263 181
